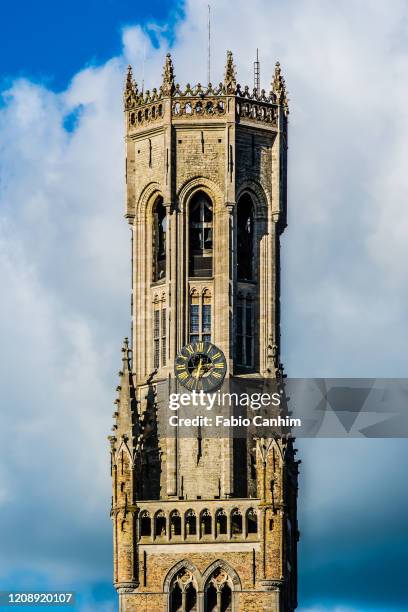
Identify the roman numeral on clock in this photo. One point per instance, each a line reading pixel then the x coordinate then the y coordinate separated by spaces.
pixel 216 375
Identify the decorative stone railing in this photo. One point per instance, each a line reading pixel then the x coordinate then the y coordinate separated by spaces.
pixel 198 102
pixel 147 114
pixel 194 510
pixel 259 111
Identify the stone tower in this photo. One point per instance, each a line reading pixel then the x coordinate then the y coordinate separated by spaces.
pixel 204 525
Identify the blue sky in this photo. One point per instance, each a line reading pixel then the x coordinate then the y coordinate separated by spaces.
pixel 64 270
pixel 51 41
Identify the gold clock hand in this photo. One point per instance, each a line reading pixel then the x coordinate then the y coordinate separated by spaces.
pixel 199 369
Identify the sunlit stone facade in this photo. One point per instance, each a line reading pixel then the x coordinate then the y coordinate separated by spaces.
pixel 204 525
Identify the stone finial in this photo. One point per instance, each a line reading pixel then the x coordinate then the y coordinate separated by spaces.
pixel 230 78
pixel 168 76
pixel 129 80
pixel 126 356
pixel 279 87
pixel 130 91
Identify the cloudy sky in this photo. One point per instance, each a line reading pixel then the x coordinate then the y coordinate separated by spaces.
pixel 64 269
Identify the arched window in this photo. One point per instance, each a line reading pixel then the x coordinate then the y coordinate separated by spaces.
pixel 200 235
pixel 236 522
pixel 175 523
pixel 251 521
pixel 245 238
pixel 221 522
pixel 159 240
pixel 218 592
pixel 145 524
pixel 190 523
pixel 206 522
pixel 183 592
pixel 160 524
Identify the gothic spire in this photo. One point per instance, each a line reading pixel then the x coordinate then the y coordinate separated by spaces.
pixel 168 76
pixel 230 78
pixel 279 87
pixel 125 413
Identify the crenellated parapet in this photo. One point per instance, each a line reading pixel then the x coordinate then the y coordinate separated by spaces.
pixel 204 102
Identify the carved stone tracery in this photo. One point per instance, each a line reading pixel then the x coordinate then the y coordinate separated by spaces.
pixel 198 101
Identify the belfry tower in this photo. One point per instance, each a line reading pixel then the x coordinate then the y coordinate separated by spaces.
pixel 204 525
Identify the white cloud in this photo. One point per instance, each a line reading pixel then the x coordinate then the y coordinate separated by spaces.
pixel 64 248
pixel 62 243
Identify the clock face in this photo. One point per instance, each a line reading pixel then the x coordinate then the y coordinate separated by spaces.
pixel 200 366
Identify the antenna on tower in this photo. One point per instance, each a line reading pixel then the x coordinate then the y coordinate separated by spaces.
pixel 143 66
pixel 257 74
pixel 209 46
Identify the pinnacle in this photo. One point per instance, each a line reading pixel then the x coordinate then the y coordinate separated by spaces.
pixel 279 87
pixel 168 76
pixel 129 79
pixel 230 78
pixel 126 356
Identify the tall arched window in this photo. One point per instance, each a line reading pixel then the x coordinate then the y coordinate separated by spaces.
pixel 245 238
pixel 183 592
pixel 252 521
pixel 145 524
pixel 159 240
pixel 206 522
pixel 160 524
pixel 236 522
pixel 175 523
pixel 200 235
pixel 221 522
pixel 190 523
pixel 218 592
